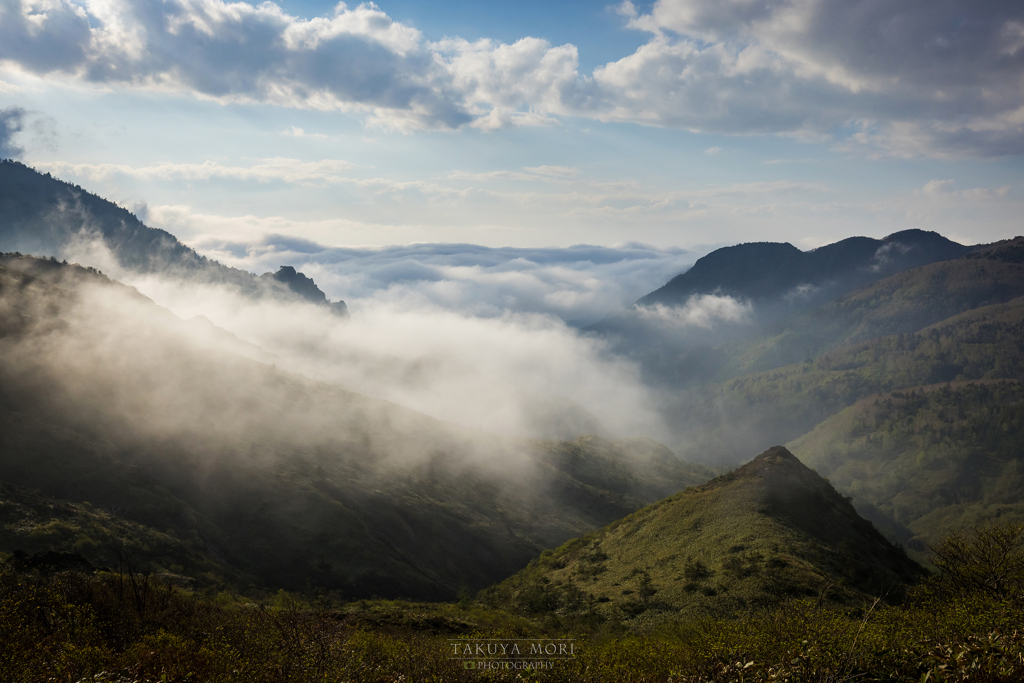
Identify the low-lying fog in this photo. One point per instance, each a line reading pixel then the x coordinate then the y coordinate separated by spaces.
pixel 479 337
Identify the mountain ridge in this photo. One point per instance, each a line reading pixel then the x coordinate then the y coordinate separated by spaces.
pixel 769 529
pixel 765 270
pixel 42 215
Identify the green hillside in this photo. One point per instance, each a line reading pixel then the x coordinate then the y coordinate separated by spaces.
pixel 935 459
pixel 109 400
pixel 769 530
pixel 900 304
pixel 782 404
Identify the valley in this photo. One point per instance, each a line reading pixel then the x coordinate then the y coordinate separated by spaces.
pixel 134 442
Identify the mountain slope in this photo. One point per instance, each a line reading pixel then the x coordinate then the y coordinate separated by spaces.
pixel 108 399
pixel 770 529
pixel 768 270
pixel 933 458
pixel 899 304
pixel 47 217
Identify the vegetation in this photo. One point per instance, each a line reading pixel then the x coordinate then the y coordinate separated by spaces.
pixel 770 531
pixel 934 459
pixel 785 403
pixel 129 627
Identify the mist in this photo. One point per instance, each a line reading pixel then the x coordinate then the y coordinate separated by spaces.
pixel 580 284
pixel 398 433
pixel 517 374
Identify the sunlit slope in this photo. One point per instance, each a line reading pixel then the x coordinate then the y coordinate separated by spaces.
pixel 770 529
pixel 900 304
pixel 105 398
pixel 934 458
pixel 782 404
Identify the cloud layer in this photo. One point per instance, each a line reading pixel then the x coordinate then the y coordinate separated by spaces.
pixel 578 284
pixel 905 79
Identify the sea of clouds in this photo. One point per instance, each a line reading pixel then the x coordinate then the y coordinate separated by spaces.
pixel 579 285
pixel 487 338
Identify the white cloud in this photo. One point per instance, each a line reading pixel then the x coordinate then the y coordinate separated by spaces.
pixel 703 311
pixel 263 171
pixel 713 150
pixel 296 132
pixel 882 79
pixel 913 78
pixel 579 284
pixel 945 188
pixel 525 374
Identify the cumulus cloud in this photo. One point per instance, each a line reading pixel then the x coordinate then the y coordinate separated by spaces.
pixel 886 79
pixel 11 123
pixel 939 78
pixel 355 59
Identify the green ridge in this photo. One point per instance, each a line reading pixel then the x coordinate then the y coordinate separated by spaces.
pixel 768 530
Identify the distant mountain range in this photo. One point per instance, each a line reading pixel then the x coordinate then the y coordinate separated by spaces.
pixel 763 271
pixel 44 216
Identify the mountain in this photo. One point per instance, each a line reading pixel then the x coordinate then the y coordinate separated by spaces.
pixel 772 528
pixel 899 304
pixel 47 217
pixel 133 424
pixel 907 396
pixel 932 458
pixel 769 270
pixel 787 402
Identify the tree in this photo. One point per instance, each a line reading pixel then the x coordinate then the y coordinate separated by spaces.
pixel 987 560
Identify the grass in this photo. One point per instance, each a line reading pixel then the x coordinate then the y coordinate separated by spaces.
pixel 769 531
pixel 74 628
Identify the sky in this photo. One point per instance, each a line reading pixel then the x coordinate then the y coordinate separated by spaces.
pixel 669 127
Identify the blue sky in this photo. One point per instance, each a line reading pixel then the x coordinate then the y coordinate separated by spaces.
pixel 677 124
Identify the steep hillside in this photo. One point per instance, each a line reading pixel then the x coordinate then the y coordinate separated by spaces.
pixel 934 458
pixel 109 400
pixel 789 305
pixel 781 404
pixel 769 270
pixel 44 216
pixel 899 304
pixel 770 529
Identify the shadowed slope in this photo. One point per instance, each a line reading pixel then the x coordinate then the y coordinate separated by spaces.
pixel 44 216
pixel 107 398
pixel 767 270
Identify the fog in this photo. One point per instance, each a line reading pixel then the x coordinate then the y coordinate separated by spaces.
pixel 516 374
pixel 97 357
pixel 438 330
pixel 580 284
